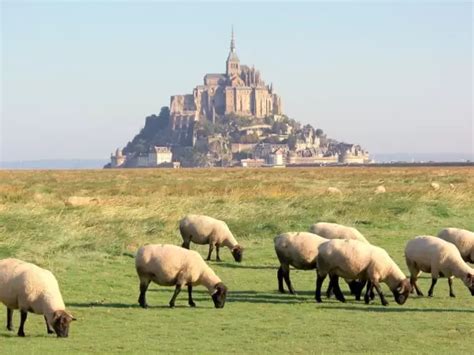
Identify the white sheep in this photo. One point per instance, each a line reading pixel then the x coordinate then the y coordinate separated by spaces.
pixel 435 186
pixel 201 229
pixel 333 191
pixel 29 288
pixel 336 231
pixel 170 265
pixel 462 239
pixel 380 190
pixel 352 259
pixel 440 258
pixel 298 249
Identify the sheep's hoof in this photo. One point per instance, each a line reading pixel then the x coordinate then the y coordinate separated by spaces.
pixel 10 328
pixel 171 305
pixel 218 260
pixel 366 300
pixel 319 300
pixel 385 303
pixel 21 334
pixel 192 304
pixel 144 305
pixel 420 294
pixel 452 295
pixel 281 290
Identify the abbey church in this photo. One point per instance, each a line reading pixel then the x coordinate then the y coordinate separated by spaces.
pixel 240 91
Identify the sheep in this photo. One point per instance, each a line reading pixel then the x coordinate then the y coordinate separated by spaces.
pixel 298 250
pixel 29 288
pixel 440 258
pixel 462 239
pixel 201 229
pixel 336 231
pixel 435 186
pixel 170 265
pixel 380 190
pixel 333 191
pixel 352 259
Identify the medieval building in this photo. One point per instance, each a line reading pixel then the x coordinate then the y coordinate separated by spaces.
pixel 239 91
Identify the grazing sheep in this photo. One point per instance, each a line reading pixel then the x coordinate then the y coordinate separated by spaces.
pixel 29 288
pixel 81 201
pixel 207 230
pixel 462 239
pixel 352 259
pixel 440 258
pixel 333 191
pixel 298 250
pixel 170 265
pixel 336 231
pixel 435 186
pixel 380 190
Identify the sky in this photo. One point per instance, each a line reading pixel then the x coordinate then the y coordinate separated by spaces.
pixel 79 78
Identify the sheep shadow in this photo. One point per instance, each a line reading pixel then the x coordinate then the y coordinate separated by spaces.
pixel 400 309
pixel 243 266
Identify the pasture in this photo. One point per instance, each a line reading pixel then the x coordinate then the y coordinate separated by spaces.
pixel 89 249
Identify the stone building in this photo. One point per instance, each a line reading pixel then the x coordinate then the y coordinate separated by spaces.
pixel 240 91
pixel 117 160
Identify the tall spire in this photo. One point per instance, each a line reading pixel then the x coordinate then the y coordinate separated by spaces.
pixel 232 41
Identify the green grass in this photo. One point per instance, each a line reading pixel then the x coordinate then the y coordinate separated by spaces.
pixel 88 248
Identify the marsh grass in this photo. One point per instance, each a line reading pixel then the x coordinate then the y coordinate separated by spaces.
pixel 90 249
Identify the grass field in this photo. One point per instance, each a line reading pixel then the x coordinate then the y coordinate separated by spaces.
pixel 88 248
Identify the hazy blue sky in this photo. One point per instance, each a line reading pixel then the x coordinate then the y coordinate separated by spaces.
pixel 78 79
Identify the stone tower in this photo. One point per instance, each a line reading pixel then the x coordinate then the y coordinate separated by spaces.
pixel 233 62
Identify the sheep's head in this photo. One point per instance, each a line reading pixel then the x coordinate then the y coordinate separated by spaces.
pixel 237 252
pixel 402 291
pixel 219 295
pixel 60 323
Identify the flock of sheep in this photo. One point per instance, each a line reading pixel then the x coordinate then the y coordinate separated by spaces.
pixel 331 249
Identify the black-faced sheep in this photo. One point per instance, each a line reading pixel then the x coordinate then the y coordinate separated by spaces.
pixel 207 230
pixel 29 288
pixel 352 259
pixel 170 265
pixel 440 258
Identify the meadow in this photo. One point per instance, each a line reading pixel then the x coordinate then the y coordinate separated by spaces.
pixel 90 248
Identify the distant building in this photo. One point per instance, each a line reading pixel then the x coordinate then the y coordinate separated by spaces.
pixel 252 163
pixel 159 155
pixel 117 160
pixel 239 91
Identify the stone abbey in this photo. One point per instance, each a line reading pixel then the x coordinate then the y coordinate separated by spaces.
pixel 239 91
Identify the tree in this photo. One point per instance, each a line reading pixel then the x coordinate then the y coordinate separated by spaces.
pixel 319 132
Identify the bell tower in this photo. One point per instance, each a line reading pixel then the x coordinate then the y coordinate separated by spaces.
pixel 233 62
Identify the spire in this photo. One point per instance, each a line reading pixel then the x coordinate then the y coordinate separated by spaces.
pixel 232 41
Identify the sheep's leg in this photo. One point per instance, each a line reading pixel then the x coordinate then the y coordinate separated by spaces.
pixel 190 296
pixel 9 319
pixel 21 330
pixel 329 291
pixel 334 280
pixel 379 291
pixel 319 283
pixel 281 289
pixel 433 283
pixel 48 327
pixel 369 292
pixel 356 287
pixel 415 286
pixel 211 248
pixel 217 253
pixel 143 288
pixel 186 243
pixel 286 276
pixel 450 283
pixel 177 290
